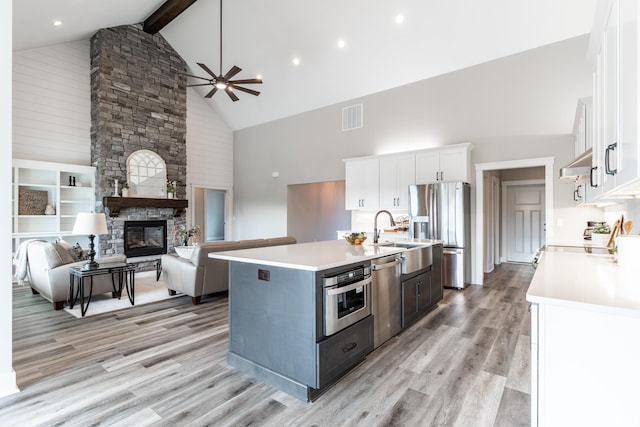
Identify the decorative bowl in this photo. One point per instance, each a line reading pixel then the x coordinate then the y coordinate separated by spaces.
pixel 356 238
pixel 184 251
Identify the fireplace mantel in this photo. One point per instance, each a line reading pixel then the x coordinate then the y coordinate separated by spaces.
pixel 114 204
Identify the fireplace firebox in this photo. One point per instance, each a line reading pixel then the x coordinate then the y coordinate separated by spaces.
pixel 142 238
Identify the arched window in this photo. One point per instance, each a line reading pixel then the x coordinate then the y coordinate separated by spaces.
pixel 146 174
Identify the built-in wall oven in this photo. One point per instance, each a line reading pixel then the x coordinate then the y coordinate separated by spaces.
pixel 346 298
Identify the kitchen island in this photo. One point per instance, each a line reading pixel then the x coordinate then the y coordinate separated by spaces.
pixel 585 324
pixel 278 328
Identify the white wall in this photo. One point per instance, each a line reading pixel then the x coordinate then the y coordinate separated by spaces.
pixel 519 95
pixel 7 375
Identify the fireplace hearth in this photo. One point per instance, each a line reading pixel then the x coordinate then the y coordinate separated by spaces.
pixel 143 238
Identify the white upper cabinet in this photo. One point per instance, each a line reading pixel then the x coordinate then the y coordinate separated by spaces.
pixel 614 52
pixel 447 164
pixel 397 172
pixel 582 126
pixel 362 183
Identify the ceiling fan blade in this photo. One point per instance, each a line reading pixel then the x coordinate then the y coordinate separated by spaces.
pixel 232 95
pixel 247 82
pixel 244 89
pixel 198 77
pixel 211 93
pixel 200 84
pixel 232 72
pixel 204 67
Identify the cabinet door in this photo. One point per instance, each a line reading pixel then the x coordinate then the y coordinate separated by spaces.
pixel 628 92
pixel 610 98
pixel 354 177
pixel 423 289
pixel 454 165
pixel 396 174
pixel 427 167
pixel 409 301
pixel 437 289
pixel 362 180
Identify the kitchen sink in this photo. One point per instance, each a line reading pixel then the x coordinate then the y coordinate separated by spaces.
pixel 418 256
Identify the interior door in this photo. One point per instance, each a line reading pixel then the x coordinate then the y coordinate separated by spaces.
pixel 525 221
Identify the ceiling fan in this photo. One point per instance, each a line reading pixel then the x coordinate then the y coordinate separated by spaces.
pixel 224 82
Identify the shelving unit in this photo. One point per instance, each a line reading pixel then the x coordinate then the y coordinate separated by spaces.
pixel 56 180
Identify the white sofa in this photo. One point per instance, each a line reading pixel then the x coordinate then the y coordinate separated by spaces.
pixel 48 272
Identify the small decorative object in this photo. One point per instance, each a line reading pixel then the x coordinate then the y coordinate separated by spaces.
pixel 125 189
pixel 356 238
pixel 171 189
pixel 115 192
pixel 181 235
pixel 49 210
pixel 32 202
pixel 74 181
pixel 600 235
pixel 70 180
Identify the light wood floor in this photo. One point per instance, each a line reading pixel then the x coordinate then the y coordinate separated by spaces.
pixel 465 364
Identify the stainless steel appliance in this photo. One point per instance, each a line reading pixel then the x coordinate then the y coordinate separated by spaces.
pixel 442 211
pixel 346 298
pixel 386 298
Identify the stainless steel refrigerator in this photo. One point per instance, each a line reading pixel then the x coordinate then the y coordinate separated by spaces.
pixel 442 211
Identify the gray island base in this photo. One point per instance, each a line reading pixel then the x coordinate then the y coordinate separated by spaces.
pixel 301 316
pixel 275 330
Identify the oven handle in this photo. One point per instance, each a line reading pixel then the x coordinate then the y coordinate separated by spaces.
pixel 335 290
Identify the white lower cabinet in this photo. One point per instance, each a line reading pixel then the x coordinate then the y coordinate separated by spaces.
pixel 584 367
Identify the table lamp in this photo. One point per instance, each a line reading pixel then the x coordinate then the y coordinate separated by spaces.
pixel 90 223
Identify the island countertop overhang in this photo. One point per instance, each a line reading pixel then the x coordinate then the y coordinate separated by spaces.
pixel 312 256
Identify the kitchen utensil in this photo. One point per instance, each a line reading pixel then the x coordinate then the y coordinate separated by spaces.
pixel 627 227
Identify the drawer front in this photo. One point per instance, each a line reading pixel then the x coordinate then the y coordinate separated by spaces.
pixel 338 353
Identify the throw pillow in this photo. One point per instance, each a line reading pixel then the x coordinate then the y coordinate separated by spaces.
pixel 63 253
pixel 77 252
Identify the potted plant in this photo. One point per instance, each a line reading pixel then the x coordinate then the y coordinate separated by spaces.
pixel 125 189
pixel 600 234
pixel 171 189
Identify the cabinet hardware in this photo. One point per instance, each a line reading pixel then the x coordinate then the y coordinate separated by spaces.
pixel 592 182
pixel 607 169
pixel 347 348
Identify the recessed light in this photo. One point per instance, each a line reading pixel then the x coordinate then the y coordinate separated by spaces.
pixel 56 23
pixel 399 18
pixel 341 44
pixel 296 61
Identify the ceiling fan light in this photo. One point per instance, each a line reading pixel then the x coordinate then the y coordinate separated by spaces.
pixel 221 85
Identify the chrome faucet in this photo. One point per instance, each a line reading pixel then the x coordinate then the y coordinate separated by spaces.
pixel 376 232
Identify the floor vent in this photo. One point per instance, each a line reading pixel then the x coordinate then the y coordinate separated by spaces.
pixel 352 117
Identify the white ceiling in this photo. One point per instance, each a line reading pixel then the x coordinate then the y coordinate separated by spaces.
pixel 262 37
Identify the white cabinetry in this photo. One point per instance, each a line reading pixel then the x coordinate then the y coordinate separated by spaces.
pixel 614 51
pixel 583 359
pixel 447 164
pixel 582 128
pixel 397 172
pixel 362 185
pixel 69 189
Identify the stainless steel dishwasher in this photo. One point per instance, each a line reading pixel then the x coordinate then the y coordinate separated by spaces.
pixel 386 308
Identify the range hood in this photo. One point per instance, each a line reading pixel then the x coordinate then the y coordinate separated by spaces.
pixel 579 169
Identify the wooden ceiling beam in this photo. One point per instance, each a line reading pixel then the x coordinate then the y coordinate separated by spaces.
pixel 165 14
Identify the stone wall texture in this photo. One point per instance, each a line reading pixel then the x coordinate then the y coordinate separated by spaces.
pixel 138 101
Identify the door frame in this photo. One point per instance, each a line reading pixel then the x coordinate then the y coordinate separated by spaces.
pixel 505 208
pixel 477 255
pixel 194 197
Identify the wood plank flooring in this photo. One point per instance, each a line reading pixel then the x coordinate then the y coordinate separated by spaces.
pixel 465 364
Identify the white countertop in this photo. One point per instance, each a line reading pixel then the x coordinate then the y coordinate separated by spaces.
pixel 313 256
pixel 586 281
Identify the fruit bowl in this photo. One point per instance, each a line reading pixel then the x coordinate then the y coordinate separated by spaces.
pixel 356 238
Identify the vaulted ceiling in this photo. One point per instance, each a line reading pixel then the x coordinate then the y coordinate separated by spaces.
pixel 264 36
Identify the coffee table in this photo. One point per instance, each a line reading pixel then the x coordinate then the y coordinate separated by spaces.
pixel 124 272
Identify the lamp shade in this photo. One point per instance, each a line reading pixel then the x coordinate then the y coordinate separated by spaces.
pixel 90 223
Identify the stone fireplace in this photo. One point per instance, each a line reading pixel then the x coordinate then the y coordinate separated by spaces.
pixel 138 101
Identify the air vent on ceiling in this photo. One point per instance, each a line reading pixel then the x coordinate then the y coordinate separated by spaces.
pixel 352 117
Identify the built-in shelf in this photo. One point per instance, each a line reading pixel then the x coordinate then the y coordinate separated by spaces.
pixel 113 205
